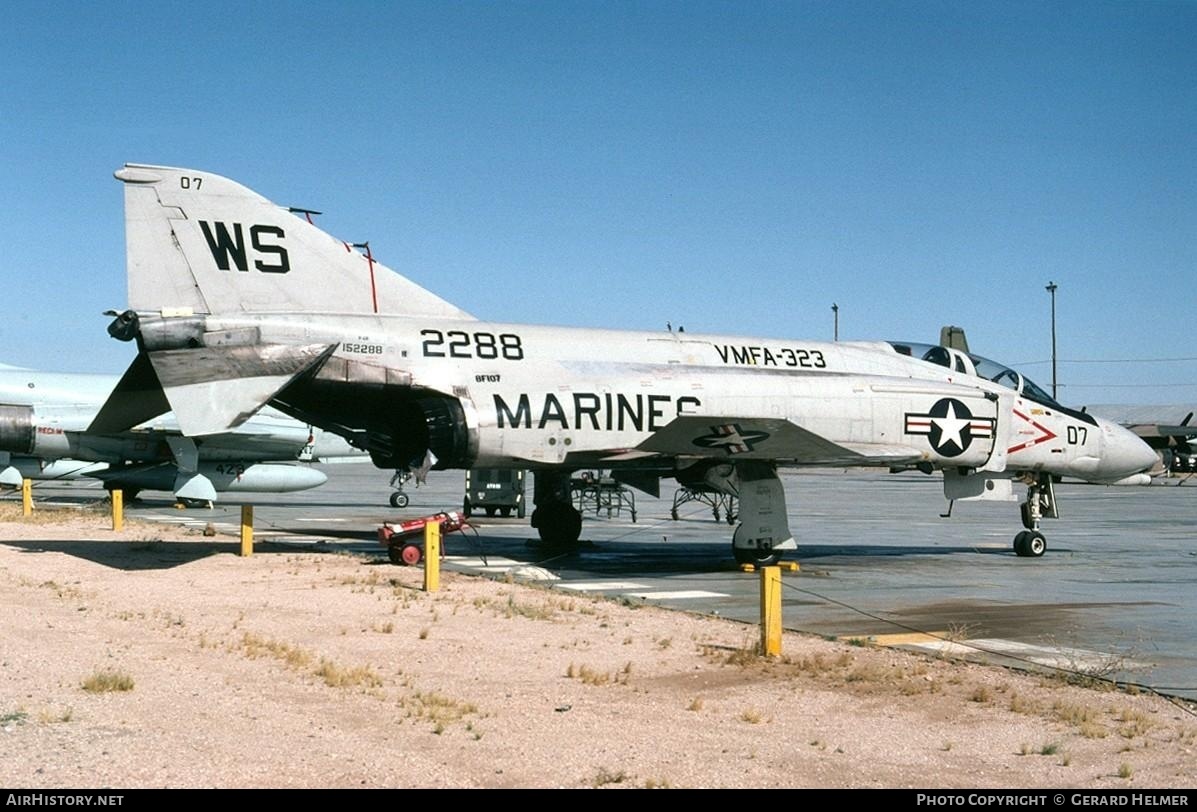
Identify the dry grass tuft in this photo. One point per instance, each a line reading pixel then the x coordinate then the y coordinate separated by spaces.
pixel 108 681
pixel 336 676
pixel 752 716
pixel 604 777
pixel 12 512
pixel 255 646
pixel 439 709
pixel 980 694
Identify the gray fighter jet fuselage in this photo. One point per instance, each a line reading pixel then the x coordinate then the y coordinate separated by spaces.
pixel 235 303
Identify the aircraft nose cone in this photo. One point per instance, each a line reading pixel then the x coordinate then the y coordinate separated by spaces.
pixel 1123 452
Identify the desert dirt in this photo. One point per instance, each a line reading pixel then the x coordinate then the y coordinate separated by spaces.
pixel 157 657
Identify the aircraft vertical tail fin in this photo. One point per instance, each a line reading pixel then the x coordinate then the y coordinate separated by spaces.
pixel 201 243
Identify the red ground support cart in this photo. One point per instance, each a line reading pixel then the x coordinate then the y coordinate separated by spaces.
pixel 405 541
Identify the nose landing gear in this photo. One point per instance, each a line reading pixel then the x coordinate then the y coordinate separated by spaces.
pixel 1040 504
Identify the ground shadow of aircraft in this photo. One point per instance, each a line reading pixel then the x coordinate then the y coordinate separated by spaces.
pixel 154 554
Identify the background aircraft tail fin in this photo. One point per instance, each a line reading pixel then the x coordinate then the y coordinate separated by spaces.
pixel 202 243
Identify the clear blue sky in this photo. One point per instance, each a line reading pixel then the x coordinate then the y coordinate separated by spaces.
pixel 733 167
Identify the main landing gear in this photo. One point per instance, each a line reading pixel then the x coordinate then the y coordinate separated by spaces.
pixel 763 533
pixel 1040 504
pixel 555 518
pixel 761 537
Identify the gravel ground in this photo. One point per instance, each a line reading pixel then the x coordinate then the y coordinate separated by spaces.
pixel 158 658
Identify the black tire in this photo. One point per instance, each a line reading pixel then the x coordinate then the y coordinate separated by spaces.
pixel 559 524
pixel 673 514
pixel 1030 544
pixel 758 558
pixel 519 511
pixel 505 512
pixel 490 511
pixel 466 510
pixel 127 494
pixel 399 499
pixel 395 553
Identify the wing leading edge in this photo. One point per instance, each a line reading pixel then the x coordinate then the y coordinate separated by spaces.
pixel 774 439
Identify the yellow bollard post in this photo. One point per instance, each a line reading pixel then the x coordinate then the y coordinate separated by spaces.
pixel 118 510
pixel 26 497
pixel 771 611
pixel 247 530
pixel 432 557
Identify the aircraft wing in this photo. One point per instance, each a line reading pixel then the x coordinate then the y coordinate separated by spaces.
pixel 1153 430
pixel 765 439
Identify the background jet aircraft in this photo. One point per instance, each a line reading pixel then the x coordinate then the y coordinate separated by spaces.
pixel 1172 441
pixel 43 422
pixel 235 302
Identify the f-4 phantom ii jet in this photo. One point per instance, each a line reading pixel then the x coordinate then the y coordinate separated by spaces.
pixel 43 422
pixel 236 302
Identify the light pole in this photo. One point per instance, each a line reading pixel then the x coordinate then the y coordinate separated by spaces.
pixel 1051 288
pixel 835 310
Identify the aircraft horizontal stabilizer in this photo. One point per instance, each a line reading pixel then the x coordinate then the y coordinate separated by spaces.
pixel 138 397
pixel 211 389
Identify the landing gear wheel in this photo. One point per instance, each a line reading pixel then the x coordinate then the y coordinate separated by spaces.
pixel 559 525
pixel 758 558
pixel 399 499
pixel 405 554
pixel 1030 544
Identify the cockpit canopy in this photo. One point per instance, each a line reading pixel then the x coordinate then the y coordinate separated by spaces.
pixel 979 366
